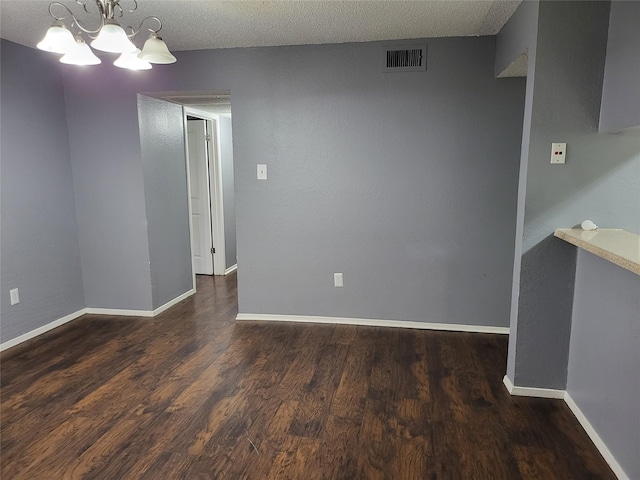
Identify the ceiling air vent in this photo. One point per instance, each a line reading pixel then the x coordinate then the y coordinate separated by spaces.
pixel 405 58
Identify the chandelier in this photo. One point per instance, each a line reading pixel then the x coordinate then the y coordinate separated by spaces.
pixel 109 37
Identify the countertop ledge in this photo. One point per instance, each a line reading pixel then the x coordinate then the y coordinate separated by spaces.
pixel 615 245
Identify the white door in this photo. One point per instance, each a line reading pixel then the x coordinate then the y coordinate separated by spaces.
pixel 200 201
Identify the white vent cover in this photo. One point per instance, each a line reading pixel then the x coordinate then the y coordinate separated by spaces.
pixel 405 58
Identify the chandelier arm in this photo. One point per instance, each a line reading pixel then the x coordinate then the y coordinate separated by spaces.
pixel 135 6
pixel 98 3
pixel 135 31
pixel 116 4
pixel 75 22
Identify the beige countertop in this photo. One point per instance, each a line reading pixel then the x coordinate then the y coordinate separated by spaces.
pixel 617 246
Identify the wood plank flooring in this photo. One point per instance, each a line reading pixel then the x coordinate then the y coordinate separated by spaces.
pixel 193 395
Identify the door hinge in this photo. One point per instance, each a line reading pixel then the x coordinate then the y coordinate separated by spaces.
pixel 213 250
pixel 208 137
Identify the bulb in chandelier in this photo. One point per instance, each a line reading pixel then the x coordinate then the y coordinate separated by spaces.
pixel 156 51
pixel 57 39
pixel 130 61
pixel 113 39
pixel 80 54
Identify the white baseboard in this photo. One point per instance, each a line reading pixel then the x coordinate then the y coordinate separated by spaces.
pixel 93 311
pixel 595 438
pixel 508 384
pixel 532 391
pixel 40 330
pixel 582 419
pixel 231 269
pixel 140 313
pixel 171 303
pixel 371 322
pixel 117 312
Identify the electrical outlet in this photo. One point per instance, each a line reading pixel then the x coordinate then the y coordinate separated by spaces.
pixel 558 153
pixel 15 296
pixel 338 281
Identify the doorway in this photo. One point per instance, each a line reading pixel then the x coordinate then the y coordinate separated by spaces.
pixel 209 152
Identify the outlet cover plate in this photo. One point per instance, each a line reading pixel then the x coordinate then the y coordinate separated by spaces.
pixel 558 153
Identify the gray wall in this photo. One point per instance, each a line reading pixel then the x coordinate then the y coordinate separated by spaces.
pixel 162 145
pixel 599 181
pixel 228 190
pixel 565 108
pixel 379 176
pixel 104 141
pixel 574 317
pixel 39 251
pixel 517 35
pixel 604 358
pixel 621 94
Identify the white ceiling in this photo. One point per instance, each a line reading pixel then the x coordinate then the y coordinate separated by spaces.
pixel 200 24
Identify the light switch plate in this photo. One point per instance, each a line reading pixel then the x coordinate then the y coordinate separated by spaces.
pixel 338 280
pixel 262 171
pixel 558 153
pixel 15 296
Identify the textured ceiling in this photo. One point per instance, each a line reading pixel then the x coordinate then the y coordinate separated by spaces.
pixel 198 24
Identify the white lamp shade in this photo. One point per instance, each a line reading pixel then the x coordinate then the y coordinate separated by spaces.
pixel 156 51
pixel 113 39
pixel 131 61
pixel 57 39
pixel 80 54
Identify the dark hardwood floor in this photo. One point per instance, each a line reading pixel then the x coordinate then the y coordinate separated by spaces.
pixel 191 394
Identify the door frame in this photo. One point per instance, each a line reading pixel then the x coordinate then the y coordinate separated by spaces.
pixel 216 206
